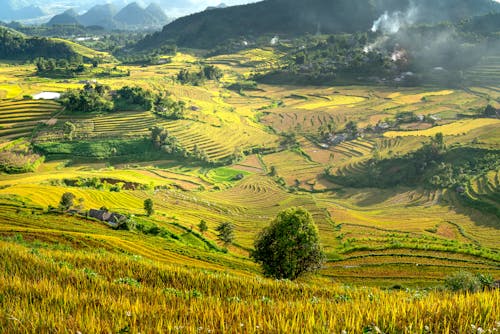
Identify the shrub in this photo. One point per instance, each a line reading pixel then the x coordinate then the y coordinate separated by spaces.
pixel 463 281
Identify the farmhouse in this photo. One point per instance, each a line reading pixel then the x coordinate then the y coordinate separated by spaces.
pixel 113 219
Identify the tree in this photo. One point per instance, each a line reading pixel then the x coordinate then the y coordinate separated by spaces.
pixel 225 232
pixel 148 207
pixel 66 201
pixel 202 226
pixel 289 246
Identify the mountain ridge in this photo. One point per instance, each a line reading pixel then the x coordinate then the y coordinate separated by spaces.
pixel 288 18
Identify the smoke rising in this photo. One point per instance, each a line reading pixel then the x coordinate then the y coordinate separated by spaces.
pixel 389 24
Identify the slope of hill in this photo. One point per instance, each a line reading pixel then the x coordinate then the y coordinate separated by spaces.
pixel 288 18
pixel 99 15
pixel 157 12
pixel 69 17
pixel 135 15
pixel 16 46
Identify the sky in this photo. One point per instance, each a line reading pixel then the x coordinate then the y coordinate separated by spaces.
pixel 193 6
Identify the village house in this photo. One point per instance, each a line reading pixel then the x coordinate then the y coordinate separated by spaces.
pixel 113 219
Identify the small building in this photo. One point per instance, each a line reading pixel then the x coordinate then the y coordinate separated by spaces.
pixel 337 139
pixel 113 219
pixel 382 126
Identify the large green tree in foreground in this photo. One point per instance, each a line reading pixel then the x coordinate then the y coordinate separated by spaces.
pixel 289 246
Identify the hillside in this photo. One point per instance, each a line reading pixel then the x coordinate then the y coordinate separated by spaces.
pixel 69 17
pixel 16 46
pixel 99 15
pixel 136 192
pixel 292 18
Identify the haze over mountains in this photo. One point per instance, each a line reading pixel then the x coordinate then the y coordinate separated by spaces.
pixel 39 10
pixel 109 17
pixel 295 17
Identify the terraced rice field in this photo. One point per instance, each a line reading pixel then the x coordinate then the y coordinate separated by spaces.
pixel 10 91
pixel 331 102
pixel 19 118
pixel 415 98
pixel 294 168
pixel 487 72
pixel 452 129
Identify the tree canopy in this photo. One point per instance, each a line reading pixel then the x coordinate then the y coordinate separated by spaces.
pixel 289 246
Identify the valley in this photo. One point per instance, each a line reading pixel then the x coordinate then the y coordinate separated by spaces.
pixel 402 181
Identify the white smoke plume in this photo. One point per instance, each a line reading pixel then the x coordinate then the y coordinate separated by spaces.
pixel 390 24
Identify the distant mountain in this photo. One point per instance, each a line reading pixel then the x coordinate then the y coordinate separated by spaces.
pixel 99 15
pixel 296 17
pixel 69 17
pixel 135 15
pixel 132 16
pixel 9 13
pixel 155 10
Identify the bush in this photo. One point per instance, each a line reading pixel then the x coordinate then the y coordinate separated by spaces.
pixel 463 281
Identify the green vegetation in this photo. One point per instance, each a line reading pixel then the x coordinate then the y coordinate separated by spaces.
pixel 208 72
pixel 225 232
pixel 16 46
pixel 66 201
pixel 290 246
pixel 148 207
pixel 92 98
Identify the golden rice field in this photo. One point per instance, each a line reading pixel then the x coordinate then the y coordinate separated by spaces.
pixel 415 98
pixel 452 129
pixel 67 273
pixel 332 101
pixel 77 290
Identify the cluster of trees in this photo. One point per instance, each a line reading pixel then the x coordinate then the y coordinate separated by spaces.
pixel 16 46
pixel 168 108
pixel 319 60
pixel 92 98
pixel 207 72
pixel 169 144
pixel 60 67
pixel 150 57
pixel 95 97
pixel 130 97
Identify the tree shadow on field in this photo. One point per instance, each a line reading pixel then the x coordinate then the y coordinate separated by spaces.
pixel 366 197
pixel 479 217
